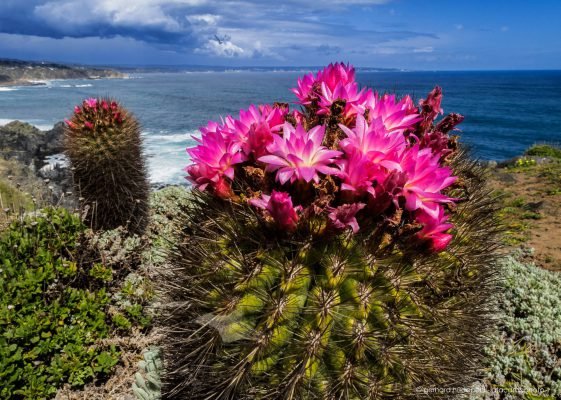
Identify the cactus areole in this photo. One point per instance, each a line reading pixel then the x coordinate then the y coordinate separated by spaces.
pixel 340 250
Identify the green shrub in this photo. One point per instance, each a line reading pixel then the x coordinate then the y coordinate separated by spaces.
pixel 544 150
pixel 53 308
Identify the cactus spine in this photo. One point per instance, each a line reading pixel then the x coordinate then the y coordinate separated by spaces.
pixel 103 143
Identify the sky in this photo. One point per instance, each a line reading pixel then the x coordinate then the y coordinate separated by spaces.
pixel 408 34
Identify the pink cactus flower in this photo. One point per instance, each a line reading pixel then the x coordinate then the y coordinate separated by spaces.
pixel 335 74
pixel 256 126
pixel 88 125
pixel 331 76
pixel 333 83
pixel 358 173
pixel 397 116
pixel 349 93
pixel 389 157
pixel 344 216
pixel 91 103
pixel 426 178
pixel 299 155
pixel 222 188
pixel 280 208
pixel 213 158
pixel 434 229
pixel 305 90
pixel 69 123
pixel 77 110
pixel 211 128
pixel 374 142
pixel 386 192
pixel 105 105
pixel 298 117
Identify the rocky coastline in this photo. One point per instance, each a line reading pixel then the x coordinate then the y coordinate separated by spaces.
pixel 27 73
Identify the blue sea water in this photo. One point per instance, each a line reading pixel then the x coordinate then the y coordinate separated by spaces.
pixel 506 111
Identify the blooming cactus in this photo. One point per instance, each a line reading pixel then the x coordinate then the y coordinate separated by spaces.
pixel 307 265
pixel 103 142
pixel 349 155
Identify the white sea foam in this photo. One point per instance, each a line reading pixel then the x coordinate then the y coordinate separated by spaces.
pixel 67 85
pixel 42 126
pixel 8 89
pixel 166 155
pixel 55 160
pixel 157 138
pixel 4 121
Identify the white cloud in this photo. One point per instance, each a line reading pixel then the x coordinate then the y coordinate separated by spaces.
pixel 128 13
pixel 204 19
pixel 426 49
pixel 74 13
pixel 223 48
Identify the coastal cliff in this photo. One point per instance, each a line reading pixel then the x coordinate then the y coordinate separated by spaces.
pixel 26 73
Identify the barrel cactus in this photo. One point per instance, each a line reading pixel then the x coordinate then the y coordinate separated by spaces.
pixel 341 251
pixel 103 143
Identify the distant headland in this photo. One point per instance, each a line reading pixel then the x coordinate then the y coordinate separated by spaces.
pixel 30 73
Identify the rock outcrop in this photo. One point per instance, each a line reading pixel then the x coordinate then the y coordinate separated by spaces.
pixel 16 72
pixel 36 153
pixel 27 144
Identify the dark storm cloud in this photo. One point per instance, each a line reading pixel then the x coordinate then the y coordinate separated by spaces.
pixel 227 29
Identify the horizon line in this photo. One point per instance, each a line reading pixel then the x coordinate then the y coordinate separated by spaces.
pixel 287 68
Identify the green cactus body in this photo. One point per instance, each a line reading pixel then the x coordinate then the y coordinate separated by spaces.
pixel 252 316
pixel 103 143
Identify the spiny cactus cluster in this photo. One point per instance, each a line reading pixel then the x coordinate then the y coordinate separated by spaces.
pixel 103 143
pixel 147 384
pixel 297 278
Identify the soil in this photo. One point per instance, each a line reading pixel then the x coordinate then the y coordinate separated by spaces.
pixel 534 207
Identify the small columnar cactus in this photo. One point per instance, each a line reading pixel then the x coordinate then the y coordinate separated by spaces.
pixel 147 384
pixel 103 143
pixel 344 251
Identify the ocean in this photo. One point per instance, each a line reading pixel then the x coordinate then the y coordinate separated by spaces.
pixel 506 111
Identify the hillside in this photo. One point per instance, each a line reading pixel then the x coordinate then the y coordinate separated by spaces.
pixel 16 72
